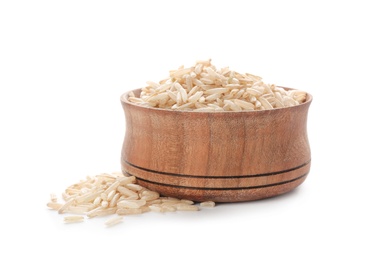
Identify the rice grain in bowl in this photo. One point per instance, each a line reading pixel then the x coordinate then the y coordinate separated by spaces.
pixel 225 156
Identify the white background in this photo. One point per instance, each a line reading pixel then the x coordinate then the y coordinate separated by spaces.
pixel 63 66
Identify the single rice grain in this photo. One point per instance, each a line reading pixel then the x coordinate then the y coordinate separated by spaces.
pixel 73 219
pixel 207 204
pixel 113 221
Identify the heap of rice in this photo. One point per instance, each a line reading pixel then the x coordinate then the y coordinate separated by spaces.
pixel 203 87
pixel 116 195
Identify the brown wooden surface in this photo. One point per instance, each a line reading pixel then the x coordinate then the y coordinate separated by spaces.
pixel 219 156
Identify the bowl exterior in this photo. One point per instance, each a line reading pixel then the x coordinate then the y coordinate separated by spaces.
pixel 219 156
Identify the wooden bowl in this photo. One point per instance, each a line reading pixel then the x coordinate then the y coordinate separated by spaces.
pixel 218 156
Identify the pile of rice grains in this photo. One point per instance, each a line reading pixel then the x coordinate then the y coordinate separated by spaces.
pixel 204 88
pixel 118 195
pixel 201 88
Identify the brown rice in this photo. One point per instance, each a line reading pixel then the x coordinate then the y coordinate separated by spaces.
pixel 114 194
pixel 203 87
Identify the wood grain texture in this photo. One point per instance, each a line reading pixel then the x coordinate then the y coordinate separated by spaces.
pixel 219 156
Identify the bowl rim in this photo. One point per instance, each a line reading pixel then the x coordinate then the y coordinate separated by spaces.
pixel 124 99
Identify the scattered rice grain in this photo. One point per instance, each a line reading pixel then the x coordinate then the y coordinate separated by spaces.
pixel 186 207
pixel 54 205
pixel 113 221
pixel 207 204
pixel 73 219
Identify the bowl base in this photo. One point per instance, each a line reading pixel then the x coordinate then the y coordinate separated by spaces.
pixel 222 195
